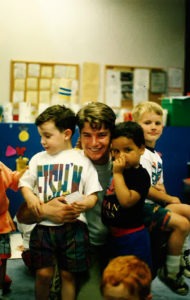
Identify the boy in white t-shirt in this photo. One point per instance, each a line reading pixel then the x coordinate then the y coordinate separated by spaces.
pixel 59 172
pixel 162 210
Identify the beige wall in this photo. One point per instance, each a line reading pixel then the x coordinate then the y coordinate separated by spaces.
pixel 125 32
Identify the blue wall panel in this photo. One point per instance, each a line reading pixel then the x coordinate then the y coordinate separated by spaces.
pixel 174 145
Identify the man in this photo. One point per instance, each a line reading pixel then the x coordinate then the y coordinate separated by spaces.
pixel 96 122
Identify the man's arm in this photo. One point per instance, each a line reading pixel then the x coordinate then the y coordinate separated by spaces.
pixel 55 210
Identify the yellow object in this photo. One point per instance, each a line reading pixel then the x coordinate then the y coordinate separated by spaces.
pixel 21 163
pixel 23 136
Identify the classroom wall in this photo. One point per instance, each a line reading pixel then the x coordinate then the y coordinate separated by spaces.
pixel 122 32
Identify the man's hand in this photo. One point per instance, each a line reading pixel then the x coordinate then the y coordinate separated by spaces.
pixel 55 210
pixel 58 211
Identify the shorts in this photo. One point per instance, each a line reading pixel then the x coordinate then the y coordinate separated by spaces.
pixel 67 245
pixel 5 247
pixel 155 216
pixel 136 243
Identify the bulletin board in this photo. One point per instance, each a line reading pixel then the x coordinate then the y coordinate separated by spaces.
pixel 39 82
pixel 125 86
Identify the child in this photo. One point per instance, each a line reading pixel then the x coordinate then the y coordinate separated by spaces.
pixel 8 179
pixel 150 116
pixel 123 204
pixel 25 230
pixel 56 172
pixel 126 277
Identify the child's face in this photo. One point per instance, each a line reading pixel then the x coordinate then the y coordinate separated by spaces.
pixel 119 292
pixel 124 147
pixel 52 140
pixel 152 125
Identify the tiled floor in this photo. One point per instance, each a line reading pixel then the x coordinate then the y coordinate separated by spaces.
pixel 23 283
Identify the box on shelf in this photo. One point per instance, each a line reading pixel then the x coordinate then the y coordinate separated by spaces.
pixel 178 110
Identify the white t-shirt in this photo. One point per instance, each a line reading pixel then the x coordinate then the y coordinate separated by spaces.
pixel 52 175
pixel 152 162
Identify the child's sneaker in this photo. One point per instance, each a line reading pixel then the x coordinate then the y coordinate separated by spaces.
pixel 175 283
pixel 185 263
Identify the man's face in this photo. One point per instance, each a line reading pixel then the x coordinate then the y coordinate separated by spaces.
pixel 96 143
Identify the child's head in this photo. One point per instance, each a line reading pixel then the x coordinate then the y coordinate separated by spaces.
pixel 56 126
pixel 128 140
pixel 126 277
pixel 62 116
pixel 150 116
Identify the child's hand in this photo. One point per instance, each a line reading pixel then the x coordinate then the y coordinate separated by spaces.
pixel 160 187
pixel 79 206
pixel 173 200
pixel 119 164
pixel 23 171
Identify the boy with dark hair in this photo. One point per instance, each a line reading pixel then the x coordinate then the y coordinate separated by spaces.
pixel 96 122
pixel 124 200
pixel 64 173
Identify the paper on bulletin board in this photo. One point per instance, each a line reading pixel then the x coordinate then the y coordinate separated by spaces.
pixel 175 78
pixel 32 97
pixel 158 82
pixel 59 71
pixel 18 96
pixel 55 84
pixel 44 97
pixel 141 85
pixel 71 72
pixel 19 84
pixel 90 82
pixel 113 88
pixel 46 71
pixel 32 83
pixel 19 70
pixel 33 70
pixel 45 84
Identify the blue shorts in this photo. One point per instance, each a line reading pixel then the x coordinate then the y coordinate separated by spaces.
pixel 5 247
pixel 136 243
pixel 155 216
pixel 68 245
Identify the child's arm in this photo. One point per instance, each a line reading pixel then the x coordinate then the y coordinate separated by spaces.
pixel 9 177
pixel 33 202
pixel 160 196
pixel 126 197
pixel 86 203
pixel 160 187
